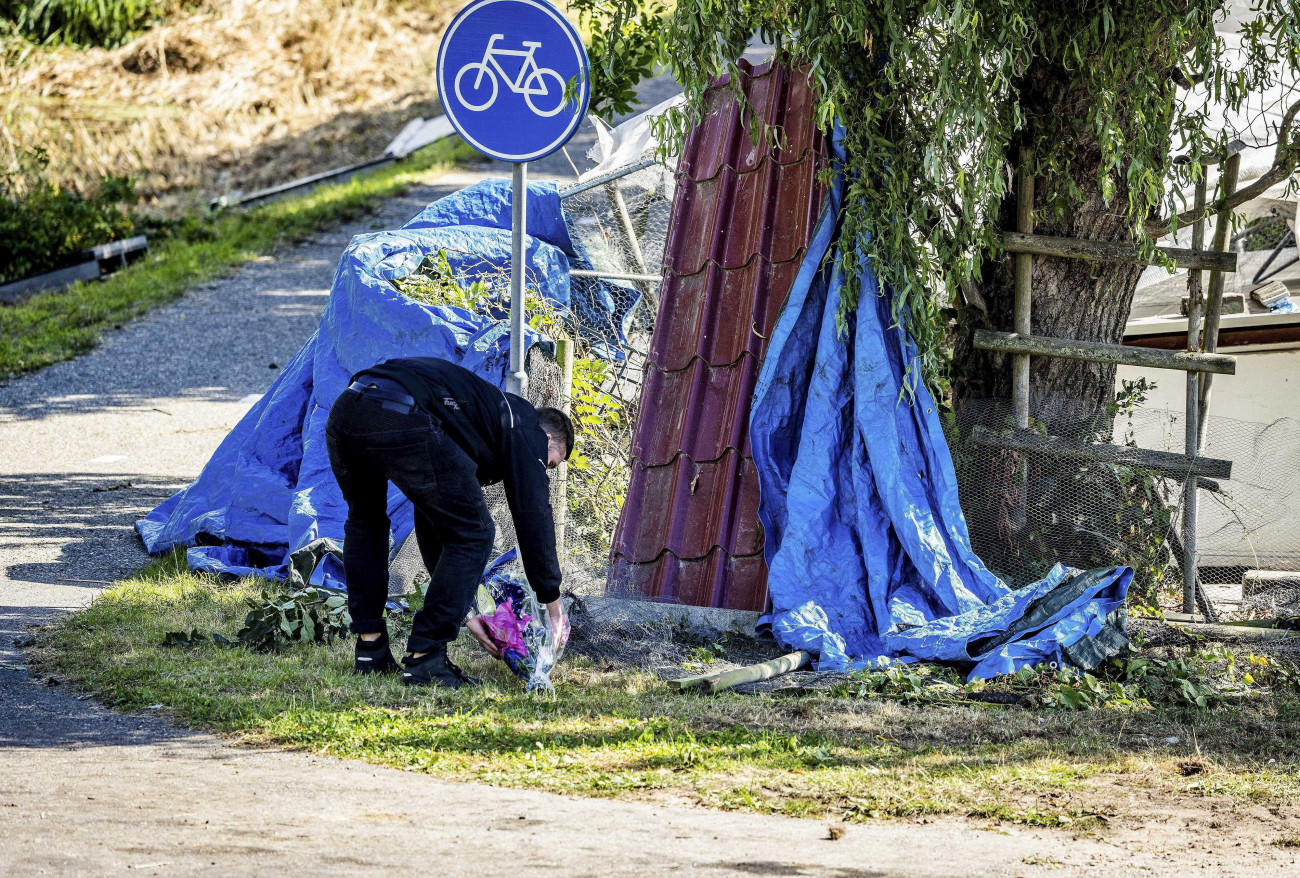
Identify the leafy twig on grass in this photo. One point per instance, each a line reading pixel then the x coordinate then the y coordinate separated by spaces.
pixel 276 620
pixel 401 619
pixel 194 638
pixel 1200 680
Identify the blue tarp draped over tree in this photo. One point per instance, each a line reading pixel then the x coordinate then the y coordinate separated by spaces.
pixel 867 547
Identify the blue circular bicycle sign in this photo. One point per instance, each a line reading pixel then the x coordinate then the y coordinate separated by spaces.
pixel 503 69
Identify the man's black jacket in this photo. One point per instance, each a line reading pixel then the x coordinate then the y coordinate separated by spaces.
pixel 500 433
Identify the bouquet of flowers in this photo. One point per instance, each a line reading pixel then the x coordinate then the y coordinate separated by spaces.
pixel 507 613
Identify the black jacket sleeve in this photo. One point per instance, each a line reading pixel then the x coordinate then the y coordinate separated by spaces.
pixel 528 491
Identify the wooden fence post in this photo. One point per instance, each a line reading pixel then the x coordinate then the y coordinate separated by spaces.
pixel 1191 435
pixel 1023 322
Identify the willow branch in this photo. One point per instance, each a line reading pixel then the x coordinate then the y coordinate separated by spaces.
pixel 1285 160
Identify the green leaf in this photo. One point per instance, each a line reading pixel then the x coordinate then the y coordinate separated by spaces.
pixel 182 639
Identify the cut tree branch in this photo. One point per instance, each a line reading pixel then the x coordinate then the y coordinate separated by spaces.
pixel 1285 161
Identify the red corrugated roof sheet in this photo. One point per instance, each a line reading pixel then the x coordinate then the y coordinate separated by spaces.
pixel 741 220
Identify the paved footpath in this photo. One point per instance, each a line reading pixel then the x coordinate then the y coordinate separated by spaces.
pixel 92 444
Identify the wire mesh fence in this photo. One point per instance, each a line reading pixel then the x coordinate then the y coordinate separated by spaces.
pixel 619 229
pixel 1027 510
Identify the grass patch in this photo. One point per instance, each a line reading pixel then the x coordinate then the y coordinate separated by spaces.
pixel 52 327
pixel 623 733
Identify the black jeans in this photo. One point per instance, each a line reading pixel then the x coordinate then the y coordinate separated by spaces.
pixel 369 446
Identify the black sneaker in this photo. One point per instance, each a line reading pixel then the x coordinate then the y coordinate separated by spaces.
pixel 435 669
pixel 374 657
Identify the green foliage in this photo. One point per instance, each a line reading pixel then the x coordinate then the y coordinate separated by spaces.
pixel 1200 680
pixel 435 283
pixel 401 618
pixel 937 97
pixel 43 228
pixel 83 23
pixel 622 49
pixel 709 653
pixel 55 326
pixel 598 470
pixel 278 619
pixel 902 683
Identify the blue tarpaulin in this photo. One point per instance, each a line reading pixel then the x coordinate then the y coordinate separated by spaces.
pixel 267 503
pixel 867 547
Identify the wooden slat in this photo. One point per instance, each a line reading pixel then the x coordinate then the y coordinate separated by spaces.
pixel 1100 352
pixel 755 673
pixel 120 248
pixel 1164 462
pixel 1114 251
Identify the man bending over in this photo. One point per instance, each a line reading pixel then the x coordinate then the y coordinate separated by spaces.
pixel 438 432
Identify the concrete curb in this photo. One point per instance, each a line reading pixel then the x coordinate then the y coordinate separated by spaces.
pixel 700 621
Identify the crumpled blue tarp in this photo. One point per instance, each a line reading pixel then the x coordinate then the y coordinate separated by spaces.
pixel 867 547
pixel 267 502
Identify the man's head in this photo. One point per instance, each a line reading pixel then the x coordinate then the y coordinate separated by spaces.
pixel 559 430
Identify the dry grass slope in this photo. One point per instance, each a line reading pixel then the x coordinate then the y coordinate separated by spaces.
pixel 239 95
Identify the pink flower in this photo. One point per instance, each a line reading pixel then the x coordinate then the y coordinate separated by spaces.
pixel 507 629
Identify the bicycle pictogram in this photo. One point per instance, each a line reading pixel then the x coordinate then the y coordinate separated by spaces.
pixel 532 81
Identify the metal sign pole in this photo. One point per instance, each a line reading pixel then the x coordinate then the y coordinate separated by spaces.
pixel 517 380
pixel 514 117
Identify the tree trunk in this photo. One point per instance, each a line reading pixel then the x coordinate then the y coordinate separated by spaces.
pixel 1027 513
pixel 1072 299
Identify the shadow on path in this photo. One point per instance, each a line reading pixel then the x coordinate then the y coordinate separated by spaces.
pixel 39 714
pixel 90 517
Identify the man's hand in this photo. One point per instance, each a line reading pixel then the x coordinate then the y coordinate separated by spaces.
pixel 559 624
pixel 476 627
